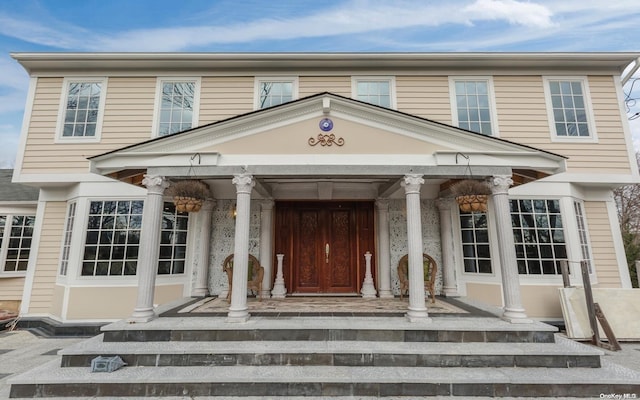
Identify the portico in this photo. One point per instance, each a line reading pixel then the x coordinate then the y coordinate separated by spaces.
pixel 370 155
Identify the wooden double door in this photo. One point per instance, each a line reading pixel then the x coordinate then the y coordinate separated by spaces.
pixel 324 245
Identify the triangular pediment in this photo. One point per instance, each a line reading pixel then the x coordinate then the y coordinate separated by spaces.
pixel 325 129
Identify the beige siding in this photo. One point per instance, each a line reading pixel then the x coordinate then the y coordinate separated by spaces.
pixel 127 119
pixel 488 293
pixel 522 117
pixel 541 301
pixel 225 97
pixel 310 85
pixel 11 288
pixel 602 244
pixel 424 96
pixel 42 293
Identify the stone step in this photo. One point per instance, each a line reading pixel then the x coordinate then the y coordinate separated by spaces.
pixel 49 380
pixel 394 329
pixel 562 354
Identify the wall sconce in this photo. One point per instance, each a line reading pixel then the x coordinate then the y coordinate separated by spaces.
pixel 234 211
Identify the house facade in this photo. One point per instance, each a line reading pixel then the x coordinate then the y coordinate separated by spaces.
pixel 322 166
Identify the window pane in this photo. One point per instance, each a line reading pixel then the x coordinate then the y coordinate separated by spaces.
pixel 376 92
pixel 568 105
pixel 472 102
pixel 176 107
pixel 83 101
pixel 475 242
pixel 173 240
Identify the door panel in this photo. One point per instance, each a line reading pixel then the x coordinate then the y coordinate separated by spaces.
pixel 321 242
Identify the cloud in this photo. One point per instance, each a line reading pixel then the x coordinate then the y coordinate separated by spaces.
pixel 516 12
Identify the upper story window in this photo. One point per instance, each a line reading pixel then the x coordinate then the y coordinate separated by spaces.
pixel 274 91
pixel 375 90
pixel 568 107
pixel 81 109
pixel 16 232
pixel 472 104
pixel 177 105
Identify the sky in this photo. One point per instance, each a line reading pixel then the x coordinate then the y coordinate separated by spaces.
pixel 303 25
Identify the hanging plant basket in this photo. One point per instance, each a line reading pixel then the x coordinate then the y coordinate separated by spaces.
pixel 188 195
pixel 471 195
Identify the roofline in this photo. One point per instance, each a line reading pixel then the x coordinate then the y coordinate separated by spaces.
pixel 49 62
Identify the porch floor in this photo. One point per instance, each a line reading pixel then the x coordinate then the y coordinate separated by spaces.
pixel 309 306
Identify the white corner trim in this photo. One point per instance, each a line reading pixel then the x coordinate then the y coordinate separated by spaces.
pixel 621 258
pixel 33 258
pixel 24 131
pixel 626 129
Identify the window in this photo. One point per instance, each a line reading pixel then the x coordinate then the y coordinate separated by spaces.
pixel 66 244
pixel 568 108
pixel 16 232
pixel 177 105
pixel 585 249
pixel 378 91
pixel 113 239
pixel 81 109
pixel 173 242
pixel 472 105
pixel 274 91
pixel 538 235
pixel 475 242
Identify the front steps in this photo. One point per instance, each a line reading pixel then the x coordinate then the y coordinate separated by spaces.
pixel 316 356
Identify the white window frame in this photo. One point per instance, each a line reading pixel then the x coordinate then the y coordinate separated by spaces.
pixel 495 132
pixel 261 79
pixel 584 237
pixel 160 81
pixel 67 238
pixel 593 138
pixel 392 87
pixel 6 234
pixel 64 95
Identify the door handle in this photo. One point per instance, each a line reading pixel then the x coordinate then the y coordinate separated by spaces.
pixel 326 253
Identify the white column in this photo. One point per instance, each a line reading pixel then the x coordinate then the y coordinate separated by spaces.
pixel 450 287
pixel 149 248
pixel 238 308
pixel 266 229
pixel 279 290
pixel 201 260
pixel 368 290
pixel 513 310
pixel 384 257
pixel 417 310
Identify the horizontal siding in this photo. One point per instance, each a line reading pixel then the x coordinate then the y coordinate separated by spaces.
pixel 601 238
pixel 48 258
pixel 424 96
pixel 225 97
pixel 522 118
pixel 11 288
pixel 310 85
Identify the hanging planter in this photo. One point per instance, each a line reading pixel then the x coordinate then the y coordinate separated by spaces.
pixel 188 195
pixel 471 195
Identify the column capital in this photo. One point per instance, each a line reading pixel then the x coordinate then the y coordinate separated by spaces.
pixel 412 183
pixel 243 182
pixel 500 184
pixel 155 183
pixel 382 204
pixel 444 203
pixel 267 204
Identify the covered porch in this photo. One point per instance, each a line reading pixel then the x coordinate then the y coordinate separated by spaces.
pixel 370 154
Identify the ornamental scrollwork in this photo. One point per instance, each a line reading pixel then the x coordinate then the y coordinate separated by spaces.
pixel 326 140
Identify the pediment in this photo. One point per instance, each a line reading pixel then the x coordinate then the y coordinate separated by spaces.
pixel 292 134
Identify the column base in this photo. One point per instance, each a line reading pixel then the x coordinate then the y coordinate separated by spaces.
pixel 238 316
pixel 279 291
pixel 385 294
pixel 265 294
pixel 516 316
pixel 418 315
pixel 368 291
pixel 200 292
pixel 450 292
pixel 142 316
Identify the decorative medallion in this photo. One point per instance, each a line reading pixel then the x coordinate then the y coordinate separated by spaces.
pixel 326 124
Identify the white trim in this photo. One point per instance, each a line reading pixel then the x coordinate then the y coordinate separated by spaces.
pixel 64 93
pixel 586 93
pixel 294 80
pixel 194 228
pixel 33 259
pixel 621 258
pixel 155 126
pixel 495 132
pixel 24 131
pixel 72 240
pixel 626 129
pixel 65 302
pixel 393 102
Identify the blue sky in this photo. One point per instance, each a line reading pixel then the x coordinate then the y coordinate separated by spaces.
pixel 301 25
